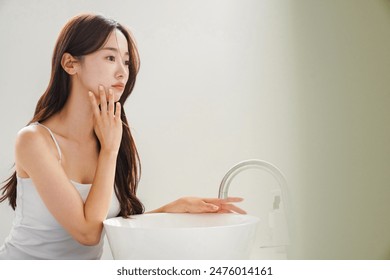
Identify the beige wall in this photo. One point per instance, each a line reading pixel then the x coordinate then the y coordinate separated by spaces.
pixel 342 60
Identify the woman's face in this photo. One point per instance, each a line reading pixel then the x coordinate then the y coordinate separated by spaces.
pixel 108 66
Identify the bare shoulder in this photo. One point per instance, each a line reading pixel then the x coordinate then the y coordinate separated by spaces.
pixel 30 136
pixel 31 147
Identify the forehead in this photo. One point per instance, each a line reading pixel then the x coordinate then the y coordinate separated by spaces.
pixel 117 40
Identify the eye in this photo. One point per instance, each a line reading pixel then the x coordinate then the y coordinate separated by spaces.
pixel 127 62
pixel 110 58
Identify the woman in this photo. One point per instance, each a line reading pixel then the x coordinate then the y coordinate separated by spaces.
pixel 76 163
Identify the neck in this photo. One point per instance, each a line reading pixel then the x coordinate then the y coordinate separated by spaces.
pixel 75 120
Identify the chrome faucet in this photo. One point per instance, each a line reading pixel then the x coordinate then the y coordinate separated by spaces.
pixel 270 168
pixel 247 164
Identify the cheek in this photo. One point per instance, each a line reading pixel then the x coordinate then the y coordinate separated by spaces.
pixel 92 77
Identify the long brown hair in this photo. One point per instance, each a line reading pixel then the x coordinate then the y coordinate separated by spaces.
pixel 83 35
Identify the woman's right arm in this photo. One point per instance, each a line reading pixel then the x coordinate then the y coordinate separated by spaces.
pixel 82 220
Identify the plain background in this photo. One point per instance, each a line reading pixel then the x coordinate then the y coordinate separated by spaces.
pixel 303 84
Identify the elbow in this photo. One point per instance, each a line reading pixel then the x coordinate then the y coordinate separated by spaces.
pixel 89 237
pixel 89 240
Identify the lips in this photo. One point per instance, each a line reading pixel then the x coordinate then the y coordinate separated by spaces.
pixel 119 86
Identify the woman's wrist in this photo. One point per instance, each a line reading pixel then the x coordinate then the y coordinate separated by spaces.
pixel 108 153
pixel 172 207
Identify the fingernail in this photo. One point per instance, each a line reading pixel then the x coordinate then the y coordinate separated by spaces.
pixel 101 87
pixel 89 93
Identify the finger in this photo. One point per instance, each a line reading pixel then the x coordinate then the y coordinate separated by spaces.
pixel 232 207
pixel 103 99
pixel 94 105
pixel 233 199
pixel 209 207
pixel 224 211
pixel 223 200
pixel 118 111
pixel 110 102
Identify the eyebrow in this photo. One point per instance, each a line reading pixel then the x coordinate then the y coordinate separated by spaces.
pixel 113 49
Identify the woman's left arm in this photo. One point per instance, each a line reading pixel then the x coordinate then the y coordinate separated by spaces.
pixel 201 205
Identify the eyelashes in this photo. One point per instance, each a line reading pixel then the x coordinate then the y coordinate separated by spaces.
pixel 113 59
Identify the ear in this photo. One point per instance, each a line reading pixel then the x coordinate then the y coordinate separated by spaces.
pixel 69 63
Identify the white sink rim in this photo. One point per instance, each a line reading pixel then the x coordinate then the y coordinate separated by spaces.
pixel 238 220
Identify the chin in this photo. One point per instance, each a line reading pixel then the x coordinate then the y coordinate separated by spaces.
pixel 117 97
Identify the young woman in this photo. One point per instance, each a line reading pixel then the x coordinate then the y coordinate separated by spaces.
pixel 76 163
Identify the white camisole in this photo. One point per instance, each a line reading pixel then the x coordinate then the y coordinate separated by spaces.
pixel 36 234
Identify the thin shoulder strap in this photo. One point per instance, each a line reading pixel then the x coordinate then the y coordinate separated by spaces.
pixel 52 136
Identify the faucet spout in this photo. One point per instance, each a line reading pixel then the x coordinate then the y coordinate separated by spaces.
pixel 264 165
pixel 248 164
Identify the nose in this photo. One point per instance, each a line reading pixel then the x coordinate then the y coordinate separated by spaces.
pixel 122 70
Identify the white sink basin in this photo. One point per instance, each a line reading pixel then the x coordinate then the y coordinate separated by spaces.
pixel 181 236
